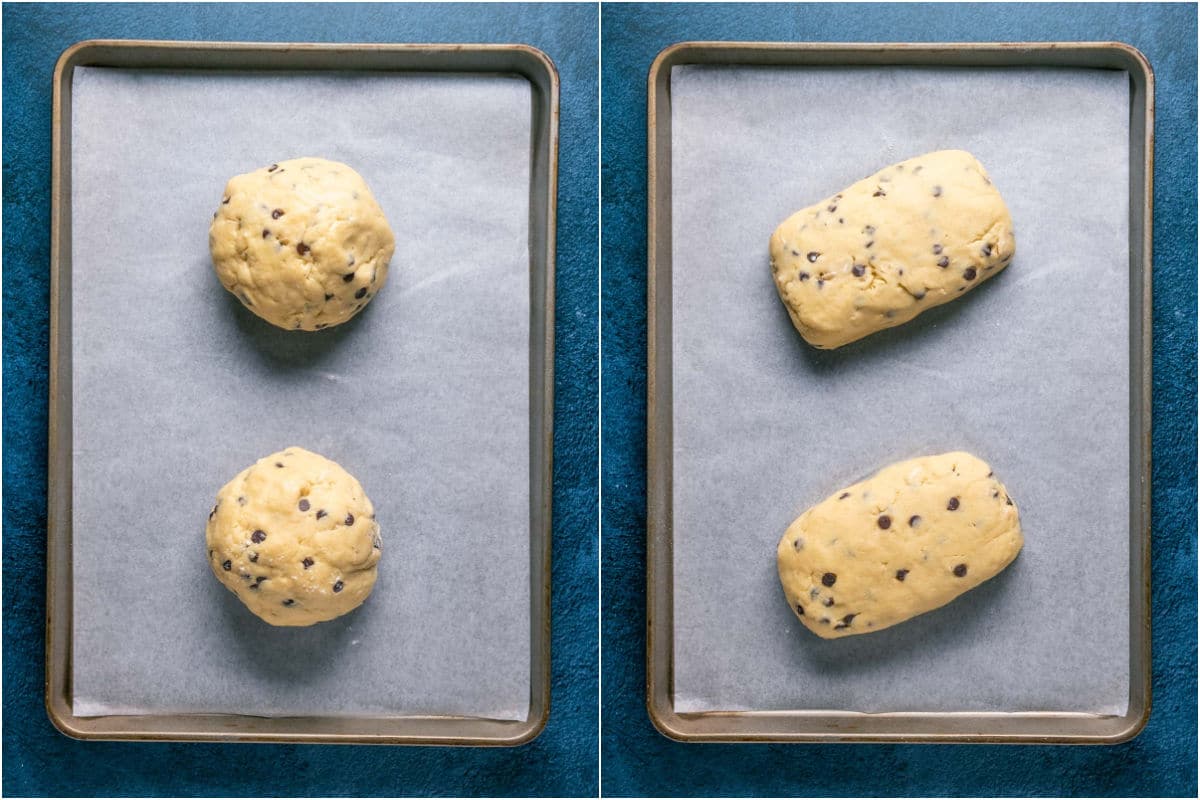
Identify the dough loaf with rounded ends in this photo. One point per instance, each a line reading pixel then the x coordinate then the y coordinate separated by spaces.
pixel 302 243
pixel 912 236
pixel 294 536
pixel 905 541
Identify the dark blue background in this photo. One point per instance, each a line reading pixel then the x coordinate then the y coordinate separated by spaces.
pixel 39 760
pixel 639 761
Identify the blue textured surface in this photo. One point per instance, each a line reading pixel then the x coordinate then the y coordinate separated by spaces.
pixel 40 761
pixel 636 759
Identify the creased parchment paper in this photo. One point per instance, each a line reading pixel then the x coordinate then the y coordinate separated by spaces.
pixel 424 397
pixel 1030 372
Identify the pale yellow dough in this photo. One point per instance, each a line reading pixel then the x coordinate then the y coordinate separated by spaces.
pixel 301 243
pixel 905 541
pixel 295 538
pixel 910 237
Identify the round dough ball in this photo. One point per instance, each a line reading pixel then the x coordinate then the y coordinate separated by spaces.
pixel 294 537
pixel 301 243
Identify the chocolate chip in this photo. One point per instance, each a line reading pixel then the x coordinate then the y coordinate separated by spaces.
pixel 803 276
pixel 812 256
pixel 307 562
pixel 1008 501
pixel 348 277
pixel 277 213
pixel 338 586
pixel 302 248
pixel 304 504
pixel 210 552
pixel 328 297
pixel 377 543
pixel 858 270
pixel 919 295
pixel 969 273
pixel 254 558
pixel 870 244
pixel 995 494
pixel 987 249
pixel 990 474
pixel 227 565
pixel 960 570
pixel 350 262
pixel 795 252
pixel 824 620
pixel 288 602
pixel 814 593
pixel 241 501
pixel 225 201
pixel 258 536
pixel 953 504
pixel 841 221
pixel 349 519
pixel 820 282
pixel 260 579
pixel 213 513
pixel 361 293
pixel 829 579
pixel 846 620
pixel 279 464
pixel 266 233
pixel 831 208
pixel 884 521
pixel 320 513
pixel 944 262
pixel 798 544
pixel 828 602
pixel 879 193
pixel 272 168
pixel 799 609
pixel 900 573
pixel 843 495
pixel 869 229
pixel 937 191
pixel 914 521
pixel 321 326
pixel 937 249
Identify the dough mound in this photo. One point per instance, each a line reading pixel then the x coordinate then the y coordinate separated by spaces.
pixel 875 255
pixel 301 243
pixel 905 541
pixel 294 537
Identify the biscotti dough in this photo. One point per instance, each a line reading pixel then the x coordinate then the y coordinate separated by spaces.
pixel 301 243
pixel 912 236
pixel 295 538
pixel 905 541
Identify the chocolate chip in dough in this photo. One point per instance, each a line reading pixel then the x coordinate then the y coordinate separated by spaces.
pixel 302 248
pixel 799 609
pixel 937 191
pixel 914 521
pixel 829 579
pixel 960 570
pixel 307 562
pixel 828 602
pixel 937 249
pixel 884 521
pixel 953 504
pixel 277 213
pixel 320 513
pixel 804 276
pixel 227 565
pixel 858 270
pixel 258 536
pixel 338 586
pixel 843 495
pixel 304 505
pixel 901 574
pixel 813 256
pixel 969 273
pixel 348 277
pixel 349 519
pixel 944 262
pixel 361 293
pixel 288 602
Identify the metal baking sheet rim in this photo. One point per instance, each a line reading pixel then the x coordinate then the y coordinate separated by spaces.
pixel 525 61
pixel 844 726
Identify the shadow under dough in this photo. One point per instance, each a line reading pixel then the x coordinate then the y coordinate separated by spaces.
pixel 283 351
pixel 291 655
pixel 953 625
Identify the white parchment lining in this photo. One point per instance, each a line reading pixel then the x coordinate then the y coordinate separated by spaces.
pixel 1029 372
pixel 424 397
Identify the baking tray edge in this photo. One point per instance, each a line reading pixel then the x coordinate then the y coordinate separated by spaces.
pixel 832 726
pixel 523 60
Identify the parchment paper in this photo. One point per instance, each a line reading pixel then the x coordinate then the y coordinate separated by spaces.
pixel 1030 372
pixel 424 397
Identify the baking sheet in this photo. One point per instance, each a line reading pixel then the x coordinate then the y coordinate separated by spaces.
pixel 1030 372
pixel 424 397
